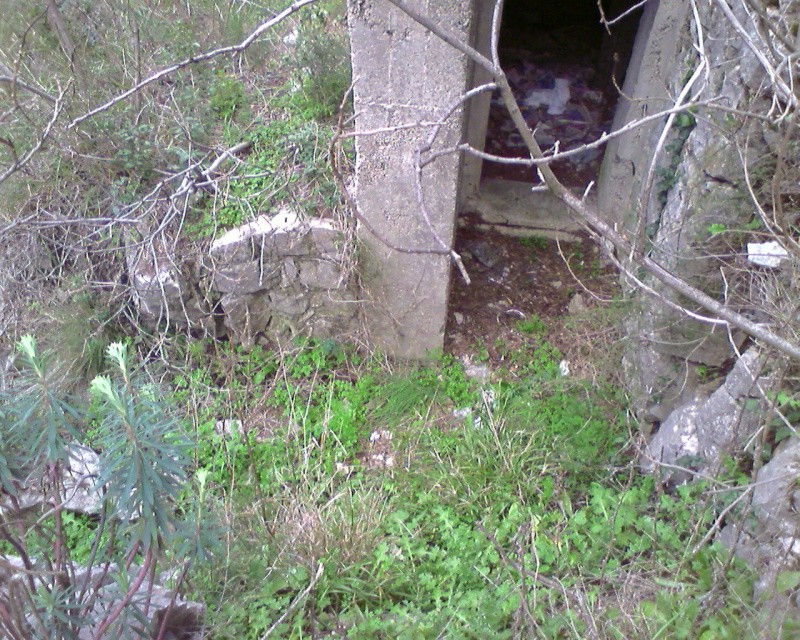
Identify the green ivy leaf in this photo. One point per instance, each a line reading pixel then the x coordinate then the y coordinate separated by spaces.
pixel 787 580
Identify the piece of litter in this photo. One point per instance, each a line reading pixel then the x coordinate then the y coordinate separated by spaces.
pixel 554 99
pixel 563 367
pixel 766 254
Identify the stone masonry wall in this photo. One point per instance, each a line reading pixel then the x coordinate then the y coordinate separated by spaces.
pixel 275 277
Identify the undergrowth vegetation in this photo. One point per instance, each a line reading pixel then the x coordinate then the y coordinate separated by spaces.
pixel 351 496
pixel 363 500
pixel 266 114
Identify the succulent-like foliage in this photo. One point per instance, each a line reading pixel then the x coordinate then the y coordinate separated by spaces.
pixel 143 452
pixel 46 590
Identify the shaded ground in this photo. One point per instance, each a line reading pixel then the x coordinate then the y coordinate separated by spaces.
pixel 514 282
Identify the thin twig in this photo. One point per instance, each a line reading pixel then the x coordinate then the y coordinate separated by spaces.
pixel 236 48
pixel 297 600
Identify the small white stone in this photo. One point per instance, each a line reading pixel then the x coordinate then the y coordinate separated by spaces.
pixel 563 367
pixel 480 372
pixel 766 254
pixel 380 434
pixel 228 427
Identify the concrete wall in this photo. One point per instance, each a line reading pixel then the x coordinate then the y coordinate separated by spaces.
pixel 477 116
pixel 404 75
pixel 646 90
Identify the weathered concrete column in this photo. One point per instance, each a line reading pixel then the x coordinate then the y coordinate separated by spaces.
pixel 646 90
pixel 405 75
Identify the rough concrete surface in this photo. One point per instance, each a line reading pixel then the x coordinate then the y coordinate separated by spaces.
pixel 513 208
pixel 406 75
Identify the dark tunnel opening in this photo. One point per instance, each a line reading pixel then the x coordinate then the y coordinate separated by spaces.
pixel 566 69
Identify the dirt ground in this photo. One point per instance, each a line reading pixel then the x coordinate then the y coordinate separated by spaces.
pixel 516 279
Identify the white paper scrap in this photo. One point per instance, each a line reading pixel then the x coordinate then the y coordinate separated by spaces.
pixel 766 254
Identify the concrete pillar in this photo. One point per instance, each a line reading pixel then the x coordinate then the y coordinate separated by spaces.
pixel 404 75
pixel 478 109
pixel 646 90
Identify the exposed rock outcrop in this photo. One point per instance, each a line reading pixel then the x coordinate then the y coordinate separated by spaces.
pixel 696 436
pixel 769 541
pixel 696 184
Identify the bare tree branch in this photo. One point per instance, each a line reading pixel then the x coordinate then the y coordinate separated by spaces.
pixel 7 77
pixel 43 137
pixel 586 211
pixel 56 22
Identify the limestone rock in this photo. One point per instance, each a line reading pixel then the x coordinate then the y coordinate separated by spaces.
pixel 476 371
pixel 283 233
pixel 280 274
pixel 289 303
pixel 244 277
pixel 246 316
pixel 701 431
pixel 326 238
pixel 161 293
pixel 320 274
pixel 185 621
pixel 80 495
pixel 773 496
pixel 770 540
pixel 229 427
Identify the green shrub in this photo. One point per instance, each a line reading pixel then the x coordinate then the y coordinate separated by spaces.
pixel 533 326
pixel 322 57
pixel 142 468
pixel 227 96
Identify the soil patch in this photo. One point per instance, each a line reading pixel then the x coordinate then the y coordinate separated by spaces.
pixel 516 280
